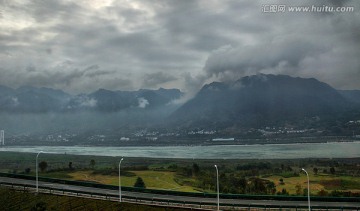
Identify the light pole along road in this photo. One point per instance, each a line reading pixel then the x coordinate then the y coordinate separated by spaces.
pixel 217 187
pixel 120 180
pixel 37 174
pixel 308 183
pixel 182 199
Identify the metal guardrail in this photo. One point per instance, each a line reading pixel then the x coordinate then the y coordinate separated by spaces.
pixel 166 202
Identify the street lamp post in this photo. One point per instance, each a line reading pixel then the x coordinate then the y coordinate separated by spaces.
pixel 37 176
pixel 120 180
pixel 308 181
pixel 217 186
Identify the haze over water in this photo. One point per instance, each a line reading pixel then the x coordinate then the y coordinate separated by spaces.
pixel 271 151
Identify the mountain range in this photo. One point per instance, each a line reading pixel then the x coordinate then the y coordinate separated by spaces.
pixel 251 101
pixel 261 99
pixel 38 100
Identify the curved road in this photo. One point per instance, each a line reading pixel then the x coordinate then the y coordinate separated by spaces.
pixel 244 202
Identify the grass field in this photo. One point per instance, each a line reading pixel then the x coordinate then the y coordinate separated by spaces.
pixel 153 179
pixel 318 182
pixel 167 173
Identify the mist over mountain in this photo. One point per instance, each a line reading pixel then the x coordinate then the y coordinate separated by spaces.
pixel 29 99
pixel 31 110
pixel 260 100
pixel 252 101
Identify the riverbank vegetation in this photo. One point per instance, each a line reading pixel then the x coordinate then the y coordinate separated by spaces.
pixel 328 177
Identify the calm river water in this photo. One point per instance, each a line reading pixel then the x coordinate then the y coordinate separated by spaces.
pixel 270 151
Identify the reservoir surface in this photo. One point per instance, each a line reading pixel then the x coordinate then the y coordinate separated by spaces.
pixel 269 151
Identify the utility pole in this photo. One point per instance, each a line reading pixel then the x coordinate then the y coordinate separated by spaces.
pixel 2 137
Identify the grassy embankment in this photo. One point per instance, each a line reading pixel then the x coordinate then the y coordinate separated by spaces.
pixel 155 176
pixel 153 179
pixel 15 200
pixel 164 173
pixel 326 182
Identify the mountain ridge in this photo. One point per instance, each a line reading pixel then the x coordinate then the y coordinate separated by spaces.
pixel 251 101
pixel 259 100
pixel 28 99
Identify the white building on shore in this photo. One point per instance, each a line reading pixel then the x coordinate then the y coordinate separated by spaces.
pixel 223 139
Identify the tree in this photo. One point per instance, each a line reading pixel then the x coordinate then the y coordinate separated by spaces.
pixel 139 183
pixel 323 193
pixel 284 192
pixel 298 189
pixel 332 170
pixel 242 184
pixel 92 163
pixel 195 170
pixel 305 191
pixel 43 166
pixel 70 165
pixel 281 181
pixel 271 188
pixel 238 184
pixel 315 170
pixel 27 171
pixel 257 186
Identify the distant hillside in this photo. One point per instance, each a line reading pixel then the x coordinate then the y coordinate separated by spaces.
pixel 260 100
pixel 30 99
pixel 252 101
pixel 38 100
pixel 351 95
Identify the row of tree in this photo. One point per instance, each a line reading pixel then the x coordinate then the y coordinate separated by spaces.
pixel 230 182
pixel 43 165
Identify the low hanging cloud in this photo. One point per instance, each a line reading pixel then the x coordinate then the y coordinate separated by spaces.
pixel 229 63
pixel 68 76
pixel 157 79
pixel 88 102
pixel 142 102
pixel 15 101
pixel 83 101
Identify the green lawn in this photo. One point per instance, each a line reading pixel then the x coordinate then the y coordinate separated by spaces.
pixel 153 179
pixel 318 182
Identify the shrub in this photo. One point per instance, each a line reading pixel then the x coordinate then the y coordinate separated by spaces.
pixel 139 183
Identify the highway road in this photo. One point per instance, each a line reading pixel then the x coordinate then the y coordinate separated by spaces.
pixel 203 200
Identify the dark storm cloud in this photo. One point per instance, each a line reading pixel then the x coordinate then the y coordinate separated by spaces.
pixel 276 56
pixel 307 45
pixel 65 31
pixel 207 26
pixel 80 46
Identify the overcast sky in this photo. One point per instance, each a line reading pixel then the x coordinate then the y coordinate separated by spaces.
pixel 83 45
